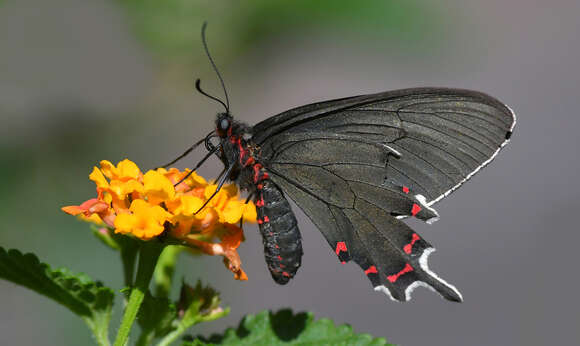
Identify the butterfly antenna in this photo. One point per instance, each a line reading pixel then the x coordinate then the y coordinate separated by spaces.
pixel 198 87
pixel 204 41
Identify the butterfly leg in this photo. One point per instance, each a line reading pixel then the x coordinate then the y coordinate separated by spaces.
pixel 189 150
pixel 221 183
pixel 245 204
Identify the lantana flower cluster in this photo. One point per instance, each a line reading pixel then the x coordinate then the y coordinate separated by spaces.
pixel 151 205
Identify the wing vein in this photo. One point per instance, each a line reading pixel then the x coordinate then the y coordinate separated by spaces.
pixel 448 135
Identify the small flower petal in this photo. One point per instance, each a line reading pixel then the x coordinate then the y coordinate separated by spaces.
pixel 127 169
pixel 145 222
pixel 99 179
pixel 108 169
pixel 250 214
pixel 157 187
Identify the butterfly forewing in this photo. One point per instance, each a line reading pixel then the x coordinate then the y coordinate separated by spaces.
pixel 444 135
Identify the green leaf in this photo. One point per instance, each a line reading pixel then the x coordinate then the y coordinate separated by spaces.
pixel 90 300
pixel 155 318
pixel 285 328
pixel 196 304
pixel 106 236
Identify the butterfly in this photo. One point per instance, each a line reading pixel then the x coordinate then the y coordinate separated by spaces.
pixel 357 166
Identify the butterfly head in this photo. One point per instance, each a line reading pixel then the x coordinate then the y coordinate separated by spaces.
pixel 224 122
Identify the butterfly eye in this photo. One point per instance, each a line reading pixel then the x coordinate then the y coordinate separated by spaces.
pixel 224 124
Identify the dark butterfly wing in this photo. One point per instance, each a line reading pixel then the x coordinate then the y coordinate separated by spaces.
pixel 356 165
pixel 444 136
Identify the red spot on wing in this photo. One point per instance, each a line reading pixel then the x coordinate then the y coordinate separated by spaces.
pixel 416 209
pixel 340 246
pixel 371 270
pixel 395 277
pixel 260 186
pixel 405 189
pixel 286 274
pixel 407 248
pixel 279 258
pixel 266 218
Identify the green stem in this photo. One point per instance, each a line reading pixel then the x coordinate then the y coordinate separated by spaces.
pixel 182 327
pixel 146 338
pixel 147 260
pixel 129 252
pixel 163 276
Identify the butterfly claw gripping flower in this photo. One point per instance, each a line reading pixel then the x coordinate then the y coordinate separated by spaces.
pixel 148 205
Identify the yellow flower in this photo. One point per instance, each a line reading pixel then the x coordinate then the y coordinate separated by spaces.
pixel 148 205
pixel 125 170
pixel 145 221
pixel 158 188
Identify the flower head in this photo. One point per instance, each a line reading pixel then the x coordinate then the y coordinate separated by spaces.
pixel 149 205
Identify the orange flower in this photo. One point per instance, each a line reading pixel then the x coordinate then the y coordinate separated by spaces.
pixel 148 205
pixel 231 240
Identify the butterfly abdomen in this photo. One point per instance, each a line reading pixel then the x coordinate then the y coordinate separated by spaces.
pixel 280 234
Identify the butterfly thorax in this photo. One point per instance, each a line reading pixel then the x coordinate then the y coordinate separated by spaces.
pixel 240 151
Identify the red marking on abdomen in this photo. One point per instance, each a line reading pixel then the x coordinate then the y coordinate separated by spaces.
pixel 279 258
pixel 260 202
pixel 260 221
pixel 286 274
pixel 340 246
pixel 416 209
pixel 371 270
pixel 395 277
pixel 257 168
pixel 407 248
pixel 405 189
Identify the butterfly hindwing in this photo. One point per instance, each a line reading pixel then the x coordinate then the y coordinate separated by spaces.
pixel 386 249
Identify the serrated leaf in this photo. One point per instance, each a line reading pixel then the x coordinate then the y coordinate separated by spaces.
pixel 90 300
pixel 285 328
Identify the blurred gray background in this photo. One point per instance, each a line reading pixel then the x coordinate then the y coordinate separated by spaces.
pixel 82 81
